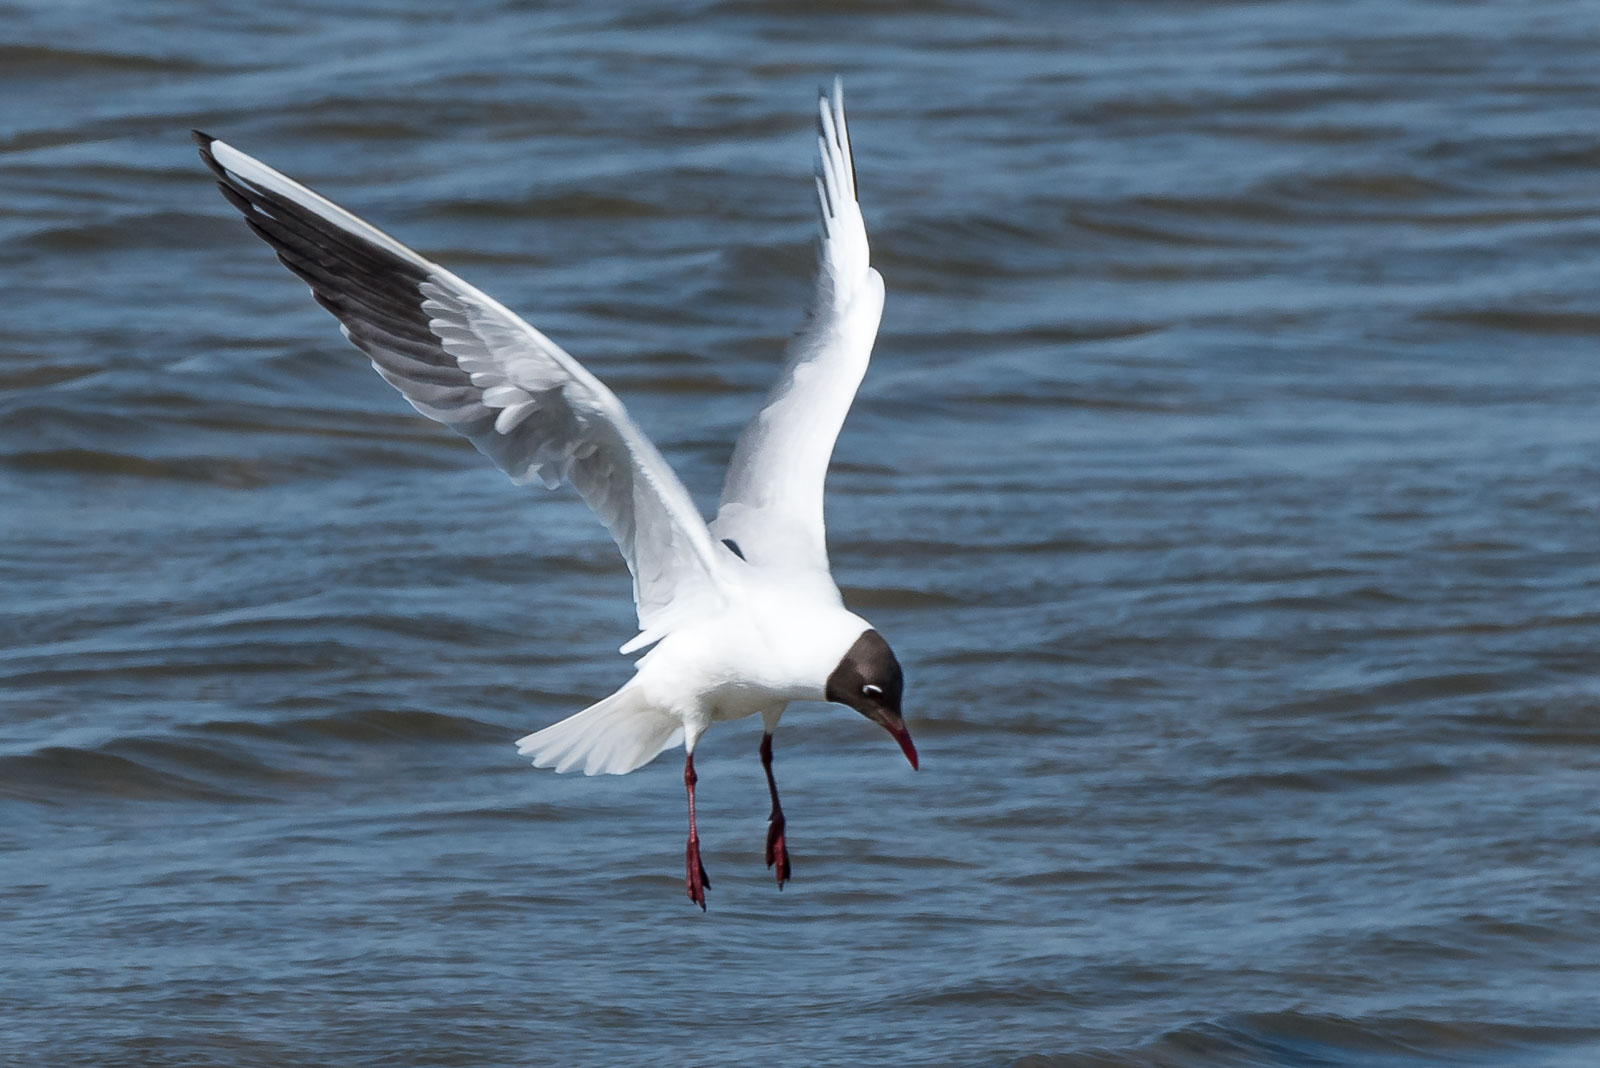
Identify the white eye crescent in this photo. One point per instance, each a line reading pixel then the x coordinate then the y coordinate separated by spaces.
pixel 871 689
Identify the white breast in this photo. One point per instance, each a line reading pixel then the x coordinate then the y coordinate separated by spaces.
pixel 777 642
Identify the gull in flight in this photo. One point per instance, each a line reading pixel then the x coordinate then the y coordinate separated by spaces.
pixel 743 614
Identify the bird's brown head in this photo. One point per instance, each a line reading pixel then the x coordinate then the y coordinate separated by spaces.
pixel 870 681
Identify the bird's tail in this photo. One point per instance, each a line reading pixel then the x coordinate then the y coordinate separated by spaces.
pixel 610 737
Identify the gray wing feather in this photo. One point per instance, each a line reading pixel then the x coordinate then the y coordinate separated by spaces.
pixel 462 359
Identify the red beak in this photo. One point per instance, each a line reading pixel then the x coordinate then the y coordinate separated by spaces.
pixel 903 736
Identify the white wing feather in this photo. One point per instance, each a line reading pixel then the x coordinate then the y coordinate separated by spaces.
pixel 463 359
pixel 772 499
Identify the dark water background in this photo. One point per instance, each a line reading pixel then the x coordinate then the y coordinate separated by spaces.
pixel 1227 477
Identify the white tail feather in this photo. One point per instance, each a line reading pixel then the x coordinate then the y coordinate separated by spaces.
pixel 610 737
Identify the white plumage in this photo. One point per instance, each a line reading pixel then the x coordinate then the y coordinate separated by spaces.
pixel 744 615
pixel 772 496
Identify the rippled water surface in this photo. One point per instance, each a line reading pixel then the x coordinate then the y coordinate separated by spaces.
pixel 1227 478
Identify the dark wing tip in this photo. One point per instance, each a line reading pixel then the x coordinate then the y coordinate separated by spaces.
pixel 204 141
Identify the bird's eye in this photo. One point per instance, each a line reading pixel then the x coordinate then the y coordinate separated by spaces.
pixel 871 689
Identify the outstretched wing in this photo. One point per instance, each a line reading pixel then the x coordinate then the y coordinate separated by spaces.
pixel 462 359
pixel 772 498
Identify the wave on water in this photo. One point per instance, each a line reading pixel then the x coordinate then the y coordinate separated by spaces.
pixel 1275 1039
pixel 33 61
pixel 229 761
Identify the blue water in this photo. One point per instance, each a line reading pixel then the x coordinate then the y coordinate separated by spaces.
pixel 1226 479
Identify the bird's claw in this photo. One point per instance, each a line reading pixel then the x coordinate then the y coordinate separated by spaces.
pixel 696 879
pixel 777 850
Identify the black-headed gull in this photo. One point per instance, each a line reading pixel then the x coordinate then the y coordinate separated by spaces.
pixel 743 613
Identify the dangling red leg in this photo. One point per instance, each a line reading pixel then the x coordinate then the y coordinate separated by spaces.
pixel 777 852
pixel 696 879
